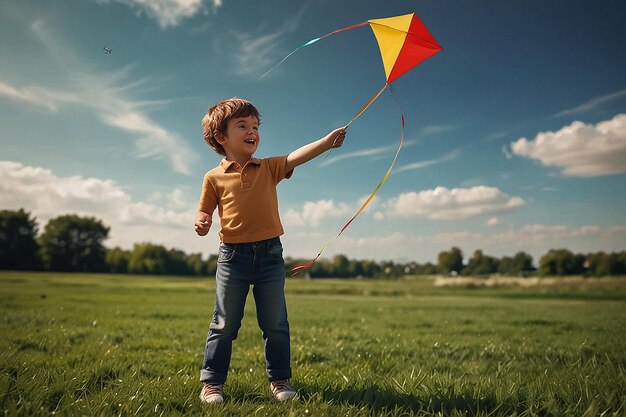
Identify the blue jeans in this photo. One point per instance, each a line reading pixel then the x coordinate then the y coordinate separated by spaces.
pixel 240 265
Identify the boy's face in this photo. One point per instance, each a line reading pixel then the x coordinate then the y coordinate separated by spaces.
pixel 242 138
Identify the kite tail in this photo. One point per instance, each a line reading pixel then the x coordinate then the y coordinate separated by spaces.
pixel 309 264
pixel 312 41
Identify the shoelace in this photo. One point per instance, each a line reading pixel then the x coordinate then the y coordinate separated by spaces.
pixel 210 389
pixel 282 385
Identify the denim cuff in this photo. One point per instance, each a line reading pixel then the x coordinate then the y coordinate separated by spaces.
pixel 278 374
pixel 211 377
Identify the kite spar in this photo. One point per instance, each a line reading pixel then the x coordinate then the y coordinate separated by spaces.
pixel 404 42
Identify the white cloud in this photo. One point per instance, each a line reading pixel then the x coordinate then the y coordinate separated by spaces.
pixel 169 12
pixel 582 150
pixel 47 195
pixel 493 221
pixel 442 203
pixel 313 213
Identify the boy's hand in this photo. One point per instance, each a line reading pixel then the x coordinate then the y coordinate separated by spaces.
pixel 337 136
pixel 202 224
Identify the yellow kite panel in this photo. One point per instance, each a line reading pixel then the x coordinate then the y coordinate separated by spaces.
pixel 390 34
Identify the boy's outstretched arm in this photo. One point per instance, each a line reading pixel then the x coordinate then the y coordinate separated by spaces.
pixel 304 154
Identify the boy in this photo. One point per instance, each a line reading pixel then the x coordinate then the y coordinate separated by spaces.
pixel 243 189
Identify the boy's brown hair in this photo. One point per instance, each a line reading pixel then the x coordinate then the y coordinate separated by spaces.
pixel 215 121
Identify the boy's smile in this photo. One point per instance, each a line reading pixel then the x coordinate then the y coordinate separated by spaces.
pixel 241 139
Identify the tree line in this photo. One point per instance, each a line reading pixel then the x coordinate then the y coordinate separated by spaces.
pixel 74 243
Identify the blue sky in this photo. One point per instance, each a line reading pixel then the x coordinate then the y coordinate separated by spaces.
pixel 515 132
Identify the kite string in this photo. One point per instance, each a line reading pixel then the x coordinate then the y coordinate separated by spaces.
pixel 312 41
pixel 309 264
pixel 359 113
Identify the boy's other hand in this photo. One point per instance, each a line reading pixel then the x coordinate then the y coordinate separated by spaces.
pixel 202 224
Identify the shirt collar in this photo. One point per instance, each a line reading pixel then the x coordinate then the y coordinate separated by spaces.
pixel 227 164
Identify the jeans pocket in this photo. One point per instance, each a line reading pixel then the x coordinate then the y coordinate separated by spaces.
pixel 226 253
pixel 276 251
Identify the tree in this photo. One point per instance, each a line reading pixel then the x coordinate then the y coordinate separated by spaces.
pixel 196 265
pixel 561 262
pixel 18 243
pixel 355 268
pixel 341 266
pixel 450 261
pixel 620 268
pixel 212 265
pixel 602 264
pixel 117 260
pixel 73 243
pixel 176 263
pixel 147 258
pixel 520 264
pixel 480 264
pixel 370 268
pixel 426 269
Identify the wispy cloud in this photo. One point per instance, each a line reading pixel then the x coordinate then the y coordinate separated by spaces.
pixel 592 104
pixel 434 130
pixel 259 51
pixel 423 164
pixel 506 153
pixel 364 153
pixel 109 95
pixel 376 152
pixel 169 13
pixel 36 96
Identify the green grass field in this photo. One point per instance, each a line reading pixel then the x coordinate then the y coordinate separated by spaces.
pixel 108 345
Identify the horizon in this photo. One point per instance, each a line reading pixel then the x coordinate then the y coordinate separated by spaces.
pixel 515 132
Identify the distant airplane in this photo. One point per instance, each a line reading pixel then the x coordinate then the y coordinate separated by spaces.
pixel 107 50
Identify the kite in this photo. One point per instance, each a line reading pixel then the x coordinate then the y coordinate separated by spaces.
pixel 404 42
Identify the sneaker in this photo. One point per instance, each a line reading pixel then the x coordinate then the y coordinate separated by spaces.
pixel 212 393
pixel 282 390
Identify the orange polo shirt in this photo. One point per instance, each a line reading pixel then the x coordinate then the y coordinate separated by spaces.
pixel 246 198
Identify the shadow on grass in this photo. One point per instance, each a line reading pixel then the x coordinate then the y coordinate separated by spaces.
pixel 384 400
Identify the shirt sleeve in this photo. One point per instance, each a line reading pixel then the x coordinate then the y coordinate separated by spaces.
pixel 208 197
pixel 278 168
